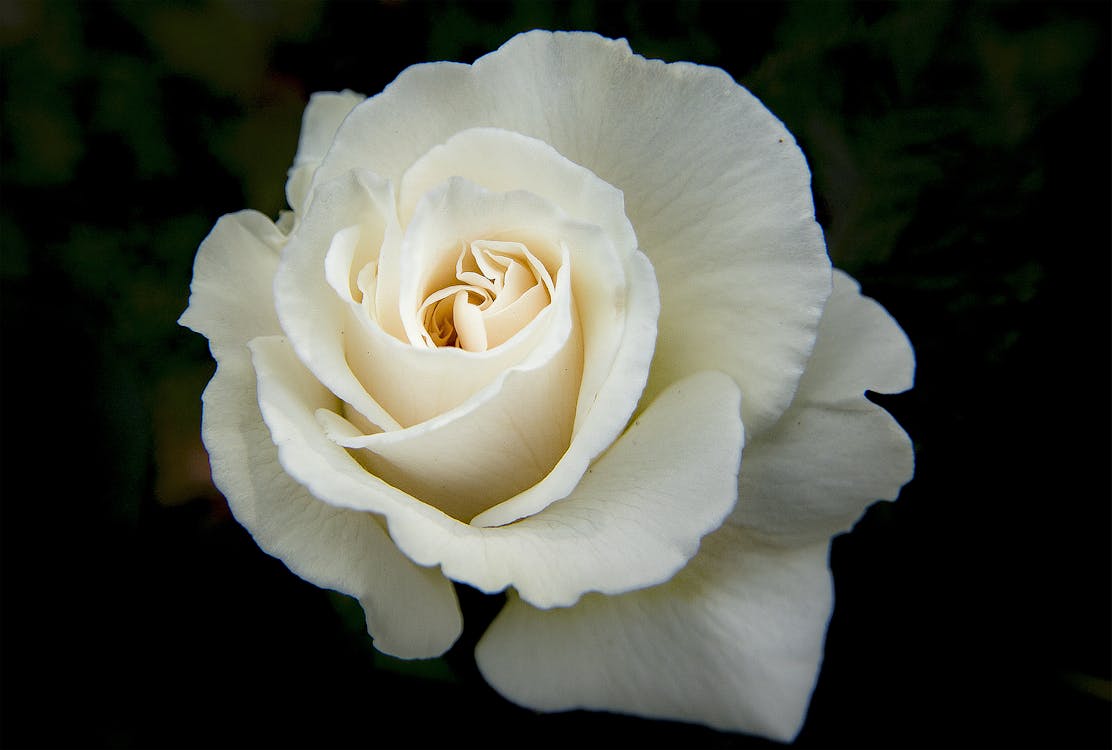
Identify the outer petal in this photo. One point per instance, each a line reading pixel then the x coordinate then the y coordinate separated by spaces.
pixel 633 521
pixel 733 641
pixel 859 347
pixel 834 452
pixel 411 611
pixel 638 514
pixel 715 187
pixel 322 118
pixel 242 246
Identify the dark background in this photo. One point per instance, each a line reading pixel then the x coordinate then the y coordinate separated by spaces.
pixel 961 170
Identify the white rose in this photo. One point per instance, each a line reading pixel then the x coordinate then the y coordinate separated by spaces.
pixel 519 326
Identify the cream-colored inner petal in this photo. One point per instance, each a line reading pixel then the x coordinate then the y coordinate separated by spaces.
pixel 500 441
pixel 502 287
pixel 470 330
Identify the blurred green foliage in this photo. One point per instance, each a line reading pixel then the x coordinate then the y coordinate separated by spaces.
pixel 351 615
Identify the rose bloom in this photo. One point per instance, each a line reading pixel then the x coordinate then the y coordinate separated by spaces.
pixel 560 323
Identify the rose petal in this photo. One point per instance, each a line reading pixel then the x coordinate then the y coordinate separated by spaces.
pixel 815 473
pixel 413 383
pixel 350 349
pixel 607 413
pixel 715 187
pixel 322 117
pixel 457 213
pixel 416 383
pixel 733 641
pixel 397 371
pixel 499 326
pixel 598 263
pixel 502 161
pixel 834 452
pixel 500 441
pixel 632 521
pixel 243 246
pixel 859 347
pixel 639 512
pixel 313 316
pixel 619 330
pixel 411 611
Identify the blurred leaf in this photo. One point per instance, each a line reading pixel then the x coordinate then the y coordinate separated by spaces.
pixel 15 258
pixel 181 462
pixel 1031 72
pixel 46 141
pixel 42 56
pixel 47 31
pixel 225 44
pixel 19 20
pixel 349 611
pixel 425 669
pixel 910 36
pixel 96 259
pixel 129 105
pixel 354 621
pixel 134 276
pixel 126 446
pixel 1095 686
pixel 669 31
pixel 260 146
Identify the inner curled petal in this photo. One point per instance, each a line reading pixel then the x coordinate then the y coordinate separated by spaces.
pixel 512 246
pixel 502 288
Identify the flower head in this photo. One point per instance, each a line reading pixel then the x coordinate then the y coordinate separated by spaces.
pixel 561 323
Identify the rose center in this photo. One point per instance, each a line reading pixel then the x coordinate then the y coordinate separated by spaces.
pixel 499 287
